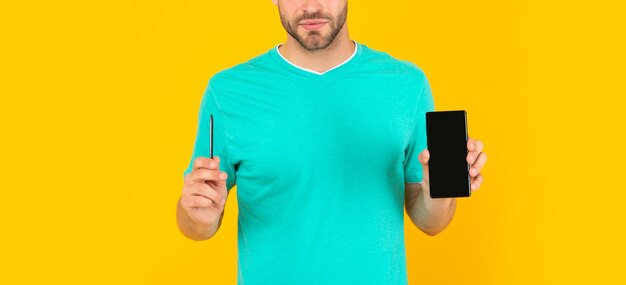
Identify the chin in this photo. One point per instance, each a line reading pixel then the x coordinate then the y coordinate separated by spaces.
pixel 315 42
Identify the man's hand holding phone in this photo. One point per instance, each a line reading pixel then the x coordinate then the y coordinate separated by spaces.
pixel 204 193
pixel 476 158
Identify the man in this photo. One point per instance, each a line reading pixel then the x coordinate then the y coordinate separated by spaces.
pixel 325 139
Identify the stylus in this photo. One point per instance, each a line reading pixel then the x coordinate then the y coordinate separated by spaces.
pixel 211 136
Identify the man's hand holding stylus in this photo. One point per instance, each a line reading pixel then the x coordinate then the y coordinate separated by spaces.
pixel 203 198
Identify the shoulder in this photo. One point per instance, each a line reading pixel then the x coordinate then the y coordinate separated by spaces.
pixel 390 64
pixel 250 68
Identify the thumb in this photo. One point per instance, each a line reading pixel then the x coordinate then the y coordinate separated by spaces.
pixel 220 183
pixel 423 157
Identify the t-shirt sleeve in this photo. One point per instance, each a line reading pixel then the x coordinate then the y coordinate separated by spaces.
pixel 413 172
pixel 222 148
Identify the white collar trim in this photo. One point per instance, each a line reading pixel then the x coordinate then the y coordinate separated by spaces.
pixel 356 47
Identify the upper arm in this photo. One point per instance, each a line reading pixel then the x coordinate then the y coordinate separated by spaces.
pixel 424 103
pixel 411 191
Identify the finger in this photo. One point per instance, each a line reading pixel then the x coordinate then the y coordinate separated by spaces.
pixel 471 157
pixel 478 165
pixel 202 189
pixel 194 201
pixel 477 182
pixel 199 163
pixel 203 174
pixel 219 186
pixel 205 162
pixel 201 202
pixel 475 146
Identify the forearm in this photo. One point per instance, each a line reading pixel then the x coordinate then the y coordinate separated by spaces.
pixel 431 215
pixel 193 230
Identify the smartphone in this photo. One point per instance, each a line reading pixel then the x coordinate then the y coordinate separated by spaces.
pixel 448 170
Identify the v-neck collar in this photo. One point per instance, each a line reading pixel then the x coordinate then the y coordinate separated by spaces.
pixel 350 61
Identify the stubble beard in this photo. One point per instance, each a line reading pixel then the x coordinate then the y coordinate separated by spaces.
pixel 315 40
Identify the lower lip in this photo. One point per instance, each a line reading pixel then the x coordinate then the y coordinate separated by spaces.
pixel 313 26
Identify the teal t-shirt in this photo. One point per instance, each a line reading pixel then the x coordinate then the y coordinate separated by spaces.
pixel 320 161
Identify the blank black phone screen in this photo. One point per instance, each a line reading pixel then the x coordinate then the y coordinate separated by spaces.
pixel 448 170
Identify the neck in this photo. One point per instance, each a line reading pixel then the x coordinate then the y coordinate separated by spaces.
pixel 320 60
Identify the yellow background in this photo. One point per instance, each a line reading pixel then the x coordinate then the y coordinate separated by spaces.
pixel 99 105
